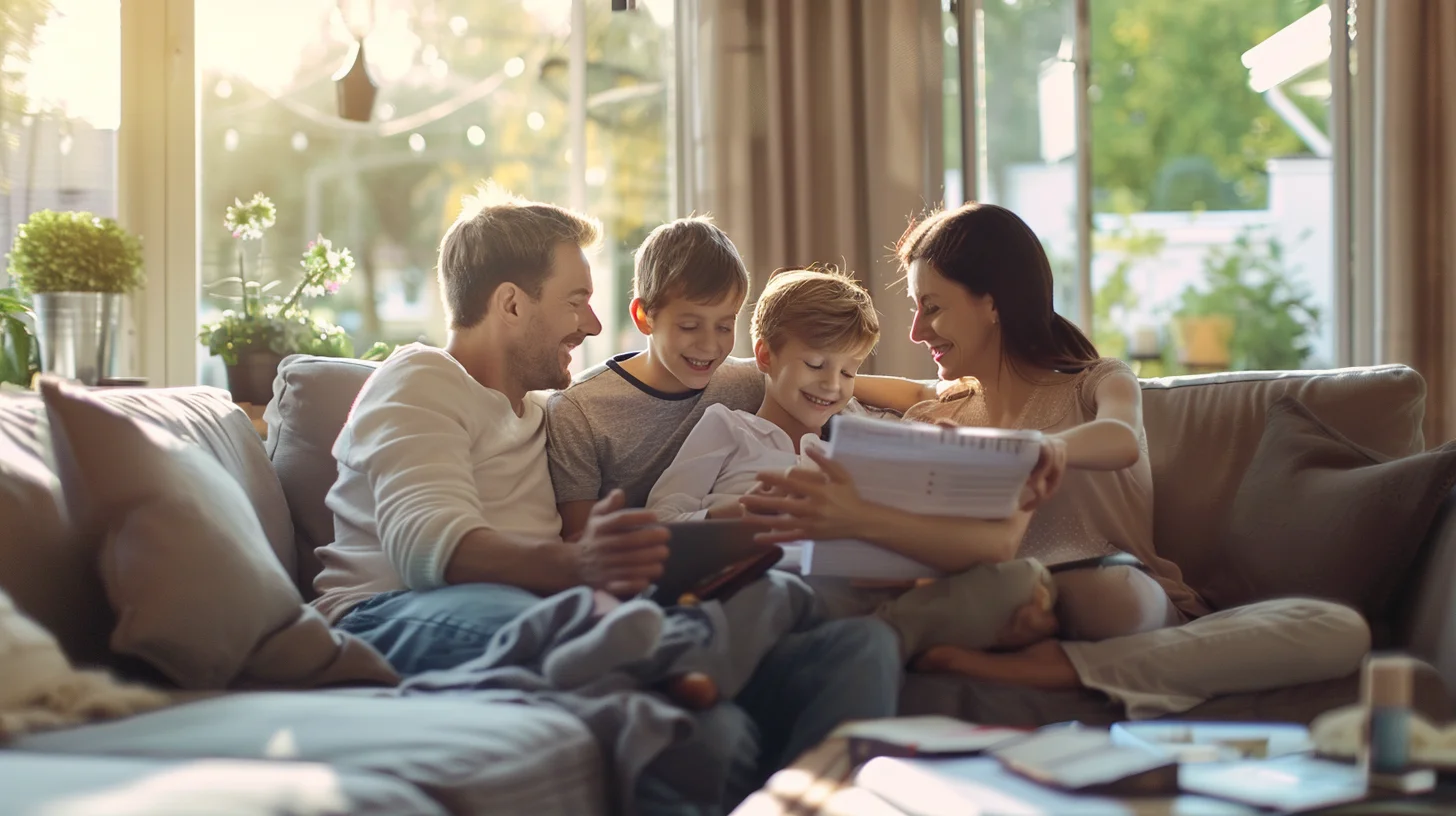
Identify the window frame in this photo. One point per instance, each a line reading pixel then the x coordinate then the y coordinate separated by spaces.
pixel 1353 234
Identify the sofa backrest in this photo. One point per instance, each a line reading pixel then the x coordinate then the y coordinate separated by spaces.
pixel 1203 431
pixel 47 565
pixel 312 397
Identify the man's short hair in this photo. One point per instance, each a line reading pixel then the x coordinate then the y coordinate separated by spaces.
pixel 502 238
pixel 689 258
pixel 822 308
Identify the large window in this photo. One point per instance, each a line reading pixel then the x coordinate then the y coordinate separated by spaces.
pixel 468 90
pixel 60 105
pixel 1209 190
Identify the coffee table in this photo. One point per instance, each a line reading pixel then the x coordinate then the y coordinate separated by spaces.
pixel 821 783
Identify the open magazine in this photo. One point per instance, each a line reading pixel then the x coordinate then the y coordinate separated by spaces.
pixel 969 472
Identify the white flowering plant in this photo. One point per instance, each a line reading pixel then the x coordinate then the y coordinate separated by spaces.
pixel 280 325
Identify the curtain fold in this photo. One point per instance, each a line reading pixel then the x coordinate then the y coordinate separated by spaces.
pixel 823 138
pixel 1416 198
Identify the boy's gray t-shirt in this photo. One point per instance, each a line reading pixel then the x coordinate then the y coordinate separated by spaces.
pixel 611 430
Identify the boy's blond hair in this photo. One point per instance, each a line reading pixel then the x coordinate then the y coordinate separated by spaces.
pixel 503 238
pixel 689 258
pixel 821 307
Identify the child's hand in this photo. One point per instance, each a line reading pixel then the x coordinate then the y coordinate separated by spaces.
pixel 818 504
pixel 730 509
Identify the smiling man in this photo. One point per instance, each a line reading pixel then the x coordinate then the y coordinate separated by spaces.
pixel 444 515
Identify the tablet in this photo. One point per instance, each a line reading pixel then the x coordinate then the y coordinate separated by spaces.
pixel 696 550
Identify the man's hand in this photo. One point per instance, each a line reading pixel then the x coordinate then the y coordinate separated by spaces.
pixel 621 551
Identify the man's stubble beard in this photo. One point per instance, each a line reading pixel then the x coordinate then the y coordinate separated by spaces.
pixel 534 361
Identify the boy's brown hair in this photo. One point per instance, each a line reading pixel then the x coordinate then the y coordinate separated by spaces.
pixel 502 238
pixel 689 258
pixel 820 307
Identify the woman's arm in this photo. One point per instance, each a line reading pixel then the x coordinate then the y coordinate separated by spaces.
pixel 1109 442
pixel 893 393
pixel 825 505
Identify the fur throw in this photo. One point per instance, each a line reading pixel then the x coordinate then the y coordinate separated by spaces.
pixel 40 690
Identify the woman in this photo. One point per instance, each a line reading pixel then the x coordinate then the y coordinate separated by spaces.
pixel 982 291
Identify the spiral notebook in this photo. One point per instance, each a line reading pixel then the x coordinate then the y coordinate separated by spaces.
pixel 966 472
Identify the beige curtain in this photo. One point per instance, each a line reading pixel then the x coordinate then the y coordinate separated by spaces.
pixel 1416 198
pixel 822 138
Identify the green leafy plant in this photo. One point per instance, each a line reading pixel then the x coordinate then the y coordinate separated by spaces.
pixel 1248 281
pixel 75 252
pixel 19 353
pixel 266 322
pixel 1115 300
pixel 379 352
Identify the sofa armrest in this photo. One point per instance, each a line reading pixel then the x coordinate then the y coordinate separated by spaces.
pixel 1429 624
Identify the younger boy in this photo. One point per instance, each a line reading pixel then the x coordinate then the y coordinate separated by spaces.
pixel 812 331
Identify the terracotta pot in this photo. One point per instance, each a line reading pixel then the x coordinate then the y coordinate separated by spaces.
pixel 251 380
pixel 1203 341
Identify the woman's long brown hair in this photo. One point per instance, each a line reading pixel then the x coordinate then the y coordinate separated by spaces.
pixel 989 250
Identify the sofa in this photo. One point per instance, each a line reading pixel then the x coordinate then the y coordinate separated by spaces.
pixel 347 750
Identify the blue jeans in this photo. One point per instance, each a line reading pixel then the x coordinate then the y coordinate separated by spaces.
pixel 808 684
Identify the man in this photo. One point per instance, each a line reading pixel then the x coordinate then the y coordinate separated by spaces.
pixel 446 525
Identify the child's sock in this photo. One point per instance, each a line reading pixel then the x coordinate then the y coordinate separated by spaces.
pixel 968 609
pixel 628 633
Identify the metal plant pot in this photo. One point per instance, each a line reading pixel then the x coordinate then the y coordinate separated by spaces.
pixel 251 380
pixel 77 333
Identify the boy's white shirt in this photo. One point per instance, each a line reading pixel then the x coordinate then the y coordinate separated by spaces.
pixel 721 460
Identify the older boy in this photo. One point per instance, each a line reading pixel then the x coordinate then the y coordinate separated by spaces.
pixel 621 423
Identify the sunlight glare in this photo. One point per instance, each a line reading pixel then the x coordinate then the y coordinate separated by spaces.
pixel 476 135
pixel 230 140
pixel 515 66
pixel 416 142
pixel 76 62
pixel 300 141
pixel 266 45
pixel 459 25
pixel 535 121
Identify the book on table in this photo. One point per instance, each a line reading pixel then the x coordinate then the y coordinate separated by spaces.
pixel 929 469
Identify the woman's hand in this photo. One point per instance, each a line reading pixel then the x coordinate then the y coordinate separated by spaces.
pixel 1046 476
pixel 818 504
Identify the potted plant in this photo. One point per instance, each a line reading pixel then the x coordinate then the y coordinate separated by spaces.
pixel 77 266
pixel 1250 314
pixel 263 328
pixel 19 353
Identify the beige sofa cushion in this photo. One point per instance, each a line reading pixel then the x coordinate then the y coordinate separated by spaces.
pixel 196 588
pixel 312 397
pixel 1319 516
pixel 48 569
pixel 1203 431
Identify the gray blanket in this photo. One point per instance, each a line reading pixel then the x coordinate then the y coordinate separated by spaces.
pixel 561 652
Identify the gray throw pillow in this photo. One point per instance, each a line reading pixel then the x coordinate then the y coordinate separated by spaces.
pixel 1318 516
pixel 197 590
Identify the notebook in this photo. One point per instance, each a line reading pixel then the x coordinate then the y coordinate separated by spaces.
pixel 966 472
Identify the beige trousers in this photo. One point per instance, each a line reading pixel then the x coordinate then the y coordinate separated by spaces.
pixel 1262 646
